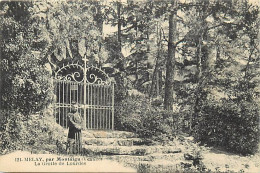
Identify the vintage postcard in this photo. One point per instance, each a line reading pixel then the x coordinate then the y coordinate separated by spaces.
pixel 130 86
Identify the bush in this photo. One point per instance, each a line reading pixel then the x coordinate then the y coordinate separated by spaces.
pixel 26 87
pixel 19 132
pixel 136 114
pixel 229 124
pixel 24 80
pixel 128 113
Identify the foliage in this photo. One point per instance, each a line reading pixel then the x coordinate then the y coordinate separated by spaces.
pixel 25 84
pixel 68 31
pixel 128 113
pixel 136 114
pixel 19 132
pixel 29 84
pixel 220 60
pixel 230 124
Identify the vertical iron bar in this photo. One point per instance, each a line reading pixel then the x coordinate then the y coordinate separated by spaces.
pixel 109 94
pixel 88 107
pixel 56 95
pixel 72 93
pixel 77 97
pixel 59 102
pixel 94 100
pixel 63 99
pixel 113 90
pixel 67 101
pixel 70 96
pixel 81 101
pixel 91 103
pixel 102 104
pixel 85 88
pixel 76 92
pixel 98 113
pixel 106 105
pixel 80 93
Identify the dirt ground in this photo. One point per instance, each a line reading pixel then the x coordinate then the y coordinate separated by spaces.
pixel 216 160
pixel 23 161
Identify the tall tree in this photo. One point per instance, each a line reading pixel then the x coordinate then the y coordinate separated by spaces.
pixel 170 62
pixel 119 24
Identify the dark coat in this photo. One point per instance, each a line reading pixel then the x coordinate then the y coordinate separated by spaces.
pixel 74 124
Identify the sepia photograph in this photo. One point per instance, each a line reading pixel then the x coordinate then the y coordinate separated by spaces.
pixel 145 86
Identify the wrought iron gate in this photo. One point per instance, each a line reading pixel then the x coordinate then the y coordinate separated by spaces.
pixel 91 89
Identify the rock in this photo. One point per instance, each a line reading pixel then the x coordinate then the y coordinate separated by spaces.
pixel 188 156
pixel 108 134
pixel 108 141
pixel 186 165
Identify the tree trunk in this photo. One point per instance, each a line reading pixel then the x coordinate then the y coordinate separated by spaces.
pixel 198 75
pixel 202 57
pixel 160 80
pixel 155 79
pixel 252 48
pixel 136 57
pixel 136 72
pixel 170 62
pixel 119 26
pixel 100 27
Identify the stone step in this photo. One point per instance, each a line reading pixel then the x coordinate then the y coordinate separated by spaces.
pixel 112 141
pixel 107 134
pixel 106 138
pixel 126 150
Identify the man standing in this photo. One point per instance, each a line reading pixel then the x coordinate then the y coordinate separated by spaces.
pixel 75 127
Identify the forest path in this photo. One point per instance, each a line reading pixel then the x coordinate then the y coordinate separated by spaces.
pixel 217 160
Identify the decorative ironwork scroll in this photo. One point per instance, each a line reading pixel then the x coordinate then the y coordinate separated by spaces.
pixel 75 73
